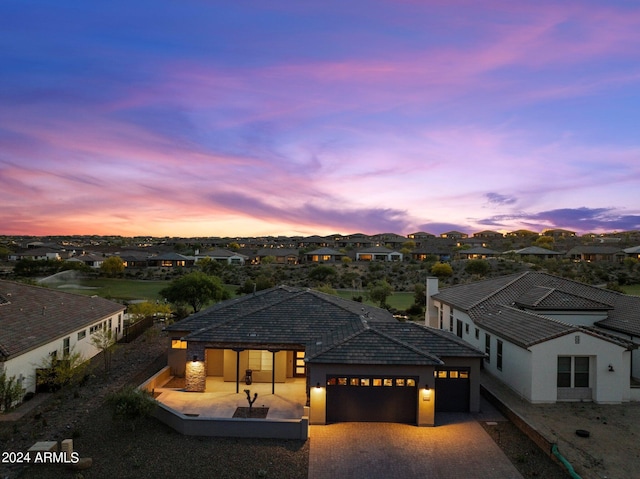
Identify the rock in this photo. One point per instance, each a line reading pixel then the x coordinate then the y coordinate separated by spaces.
pixel 82 464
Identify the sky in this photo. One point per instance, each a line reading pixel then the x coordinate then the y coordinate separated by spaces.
pixel 223 118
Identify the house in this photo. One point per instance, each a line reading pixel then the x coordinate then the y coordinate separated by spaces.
pixel 609 254
pixel 91 260
pixel 37 323
pixel 38 254
pixel 378 253
pixel 633 252
pixel 280 255
pixel 488 234
pixel 170 260
pixel 558 233
pixel 536 252
pixel 477 253
pixel 428 252
pixel 548 338
pixel 324 255
pixel 360 364
pixel 223 256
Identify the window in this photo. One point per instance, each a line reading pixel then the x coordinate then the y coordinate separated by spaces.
pixel 499 355
pixel 487 347
pixel 178 344
pixel 82 334
pixel 66 348
pixel 573 372
pixel 441 315
pixel 450 319
pixel 477 333
pixel 94 328
pixel 466 328
pixel 260 360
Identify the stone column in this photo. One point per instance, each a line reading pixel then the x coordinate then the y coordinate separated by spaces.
pixel 195 371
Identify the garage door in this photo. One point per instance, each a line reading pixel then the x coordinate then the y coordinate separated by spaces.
pixel 372 399
pixel 452 390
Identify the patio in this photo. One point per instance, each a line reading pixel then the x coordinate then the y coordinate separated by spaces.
pixel 220 399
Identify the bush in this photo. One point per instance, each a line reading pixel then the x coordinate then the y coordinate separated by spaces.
pixel 130 405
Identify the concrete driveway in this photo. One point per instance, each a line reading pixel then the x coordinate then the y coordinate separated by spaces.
pixel 457 448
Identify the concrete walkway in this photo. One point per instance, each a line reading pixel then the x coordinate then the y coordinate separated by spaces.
pixel 457 448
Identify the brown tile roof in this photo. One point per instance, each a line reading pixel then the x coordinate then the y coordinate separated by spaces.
pixel 31 316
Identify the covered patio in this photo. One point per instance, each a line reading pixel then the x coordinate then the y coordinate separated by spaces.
pixel 220 399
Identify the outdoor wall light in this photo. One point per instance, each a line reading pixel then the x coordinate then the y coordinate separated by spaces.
pixel 318 385
pixel 426 393
pixel 611 368
pixel 195 358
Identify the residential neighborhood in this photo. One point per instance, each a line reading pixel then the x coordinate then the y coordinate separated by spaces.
pixel 551 324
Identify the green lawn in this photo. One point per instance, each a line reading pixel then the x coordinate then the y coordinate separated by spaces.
pixel 632 289
pixel 124 289
pixel 400 300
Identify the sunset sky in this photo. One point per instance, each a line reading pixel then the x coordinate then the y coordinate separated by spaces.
pixel 230 118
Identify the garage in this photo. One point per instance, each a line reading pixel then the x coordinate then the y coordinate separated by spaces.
pixel 372 399
pixel 453 387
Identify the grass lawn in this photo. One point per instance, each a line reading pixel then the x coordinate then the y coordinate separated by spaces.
pixel 124 289
pixel 632 289
pixel 400 300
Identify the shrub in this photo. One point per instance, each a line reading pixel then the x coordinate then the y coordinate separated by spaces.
pixel 130 405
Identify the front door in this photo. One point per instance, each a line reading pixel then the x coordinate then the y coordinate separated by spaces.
pixel 300 367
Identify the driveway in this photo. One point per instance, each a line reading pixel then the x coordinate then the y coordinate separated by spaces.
pixel 457 448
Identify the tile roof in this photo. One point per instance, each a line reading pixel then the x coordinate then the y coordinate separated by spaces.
pixel 545 298
pixel 476 298
pixel 330 329
pixel 31 316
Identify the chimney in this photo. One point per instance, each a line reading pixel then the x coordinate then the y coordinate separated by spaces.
pixel 431 313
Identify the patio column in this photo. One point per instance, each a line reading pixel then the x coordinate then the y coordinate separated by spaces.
pixel 237 350
pixel 195 371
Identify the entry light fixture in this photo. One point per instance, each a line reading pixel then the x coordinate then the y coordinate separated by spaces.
pixel 317 385
pixel 195 358
pixel 611 368
pixel 426 387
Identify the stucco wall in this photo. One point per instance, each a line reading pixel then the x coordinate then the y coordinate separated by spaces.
pixel 609 387
pixel 26 364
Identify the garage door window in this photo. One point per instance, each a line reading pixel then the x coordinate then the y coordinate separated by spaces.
pixel 368 381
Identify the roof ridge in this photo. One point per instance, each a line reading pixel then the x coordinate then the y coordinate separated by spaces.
pixel 407 345
pixel 503 287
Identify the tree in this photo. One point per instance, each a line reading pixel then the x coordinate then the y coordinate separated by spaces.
pixel 442 270
pixel 379 291
pixel 322 273
pixel 478 266
pixel 11 391
pixel 195 289
pixel 326 288
pixel 210 266
pixel 268 259
pixel 57 373
pixel 104 340
pixel 420 294
pixel 148 309
pixel 112 266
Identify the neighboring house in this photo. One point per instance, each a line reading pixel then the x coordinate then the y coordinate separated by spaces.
pixel 132 259
pixel 171 260
pixel 38 254
pixel 559 233
pixel 488 234
pixel 281 255
pixel 324 255
pixel 37 323
pixel 633 252
pixel 548 338
pixel 454 235
pixel 477 253
pixel 610 254
pixel 91 260
pixel 360 363
pixel 537 252
pixel 443 254
pixel 223 256
pixel 378 253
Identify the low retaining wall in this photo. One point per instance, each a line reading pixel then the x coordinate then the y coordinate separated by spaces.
pixel 224 427
pixel 233 427
pixel 531 432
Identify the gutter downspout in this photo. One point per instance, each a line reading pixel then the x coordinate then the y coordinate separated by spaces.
pixel 563 460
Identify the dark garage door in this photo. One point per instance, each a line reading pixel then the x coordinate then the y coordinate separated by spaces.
pixel 372 399
pixel 452 390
